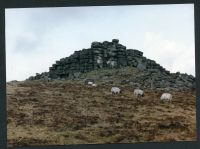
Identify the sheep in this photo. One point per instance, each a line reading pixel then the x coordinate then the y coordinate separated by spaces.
pixel 94 85
pixel 90 83
pixel 138 93
pixel 88 80
pixel 115 90
pixel 166 96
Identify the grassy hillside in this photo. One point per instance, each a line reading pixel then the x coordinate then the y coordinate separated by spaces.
pixel 64 112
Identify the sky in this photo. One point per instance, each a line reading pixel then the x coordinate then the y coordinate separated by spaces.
pixel 37 37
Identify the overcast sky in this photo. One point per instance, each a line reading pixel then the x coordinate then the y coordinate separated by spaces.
pixel 37 37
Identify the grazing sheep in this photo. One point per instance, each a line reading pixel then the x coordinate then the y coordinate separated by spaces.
pixel 94 85
pixel 90 83
pixel 88 80
pixel 166 96
pixel 115 90
pixel 138 93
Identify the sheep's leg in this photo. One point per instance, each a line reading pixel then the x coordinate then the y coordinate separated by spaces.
pixel 141 97
pixel 170 101
pixel 138 98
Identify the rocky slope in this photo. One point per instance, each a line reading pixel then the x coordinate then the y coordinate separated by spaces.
pixel 114 57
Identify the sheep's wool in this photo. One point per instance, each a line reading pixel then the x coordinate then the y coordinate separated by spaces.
pixel 90 83
pixel 115 90
pixel 138 92
pixel 166 96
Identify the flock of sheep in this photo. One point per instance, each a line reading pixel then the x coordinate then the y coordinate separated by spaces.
pixel 137 92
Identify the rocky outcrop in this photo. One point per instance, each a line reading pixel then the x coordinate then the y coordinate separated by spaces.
pixel 155 79
pixel 114 55
pixel 101 55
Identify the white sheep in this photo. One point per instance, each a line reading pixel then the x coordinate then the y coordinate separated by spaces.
pixel 166 96
pixel 94 85
pixel 115 90
pixel 138 93
pixel 90 83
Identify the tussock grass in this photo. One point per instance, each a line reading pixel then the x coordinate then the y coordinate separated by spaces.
pixel 66 112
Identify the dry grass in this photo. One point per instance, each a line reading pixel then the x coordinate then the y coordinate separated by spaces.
pixel 58 113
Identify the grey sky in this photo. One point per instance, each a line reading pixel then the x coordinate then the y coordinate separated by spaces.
pixel 37 37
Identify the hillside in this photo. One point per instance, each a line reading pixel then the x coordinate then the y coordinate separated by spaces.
pixel 70 112
pixel 58 107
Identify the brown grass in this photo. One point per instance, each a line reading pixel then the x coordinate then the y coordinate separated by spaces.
pixel 58 113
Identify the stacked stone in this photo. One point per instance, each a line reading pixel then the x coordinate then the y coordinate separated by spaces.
pixel 102 55
pixel 121 55
pixel 110 53
pixel 115 55
pixel 39 76
pixel 90 59
pixel 157 79
pixel 97 49
pixel 133 56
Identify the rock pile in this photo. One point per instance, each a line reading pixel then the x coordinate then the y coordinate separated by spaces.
pixel 115 55
pixel 101 55
pixel 150 79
